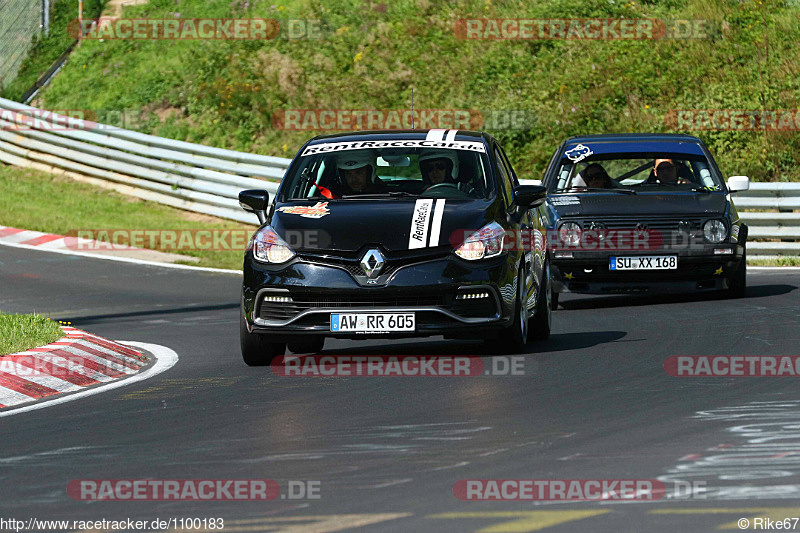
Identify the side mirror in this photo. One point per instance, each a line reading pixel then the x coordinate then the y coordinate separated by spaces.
pixel 738 183
pixel 529 196
pixel 255 201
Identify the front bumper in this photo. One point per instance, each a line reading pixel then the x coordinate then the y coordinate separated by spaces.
pixel 298 299
pixel 589 273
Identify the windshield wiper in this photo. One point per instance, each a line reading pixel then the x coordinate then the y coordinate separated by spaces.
pixel 390 194
pixel 596 189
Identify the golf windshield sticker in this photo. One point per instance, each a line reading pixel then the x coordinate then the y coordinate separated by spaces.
pixel 472 146
pixel 579 153
pixel 420 221
pixel 318 210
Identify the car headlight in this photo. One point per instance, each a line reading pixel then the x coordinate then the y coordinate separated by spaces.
pixel 570 233
pixel 485 243
pixel 715 231
pixel 268 247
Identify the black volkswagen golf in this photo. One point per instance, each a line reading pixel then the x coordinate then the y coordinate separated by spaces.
pixel 641 213
pixel 395 234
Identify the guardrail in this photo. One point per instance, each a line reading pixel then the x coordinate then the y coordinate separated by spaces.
pixel 207 180
pixel 188 176
pixel 772 231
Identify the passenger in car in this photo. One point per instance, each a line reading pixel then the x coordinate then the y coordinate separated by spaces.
pixel 441 167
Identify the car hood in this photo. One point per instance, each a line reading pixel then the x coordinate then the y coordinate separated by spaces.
pixel 396 225
pixel 592 204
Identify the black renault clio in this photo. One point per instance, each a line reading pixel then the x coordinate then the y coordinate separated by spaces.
pixel 395 234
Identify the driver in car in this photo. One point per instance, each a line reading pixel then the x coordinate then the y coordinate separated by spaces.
pixel 439 167
pixel 358 174
pixel 666 171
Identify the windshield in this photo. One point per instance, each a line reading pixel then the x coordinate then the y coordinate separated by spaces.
pixel 636 173
pixel 391 172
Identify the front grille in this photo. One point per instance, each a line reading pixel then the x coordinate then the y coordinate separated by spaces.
pixel 353 264
pixel 630 223
pixel 352 300
pixel 356 300
pixel 373 299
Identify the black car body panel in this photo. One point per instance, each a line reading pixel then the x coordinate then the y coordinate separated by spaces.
pixel 295 299
pixel 352 224
pixel 672 217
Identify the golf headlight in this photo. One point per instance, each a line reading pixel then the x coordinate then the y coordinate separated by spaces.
pixel 570 233
pixel 485 243
pixel 715 231
pixel 268 247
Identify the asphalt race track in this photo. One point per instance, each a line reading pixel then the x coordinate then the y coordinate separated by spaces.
pixel 594 403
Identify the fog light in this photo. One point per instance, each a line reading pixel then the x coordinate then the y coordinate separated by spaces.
pixel 723 251
pixel 563 255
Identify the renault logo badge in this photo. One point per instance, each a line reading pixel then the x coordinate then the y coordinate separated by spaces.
pixel 372 263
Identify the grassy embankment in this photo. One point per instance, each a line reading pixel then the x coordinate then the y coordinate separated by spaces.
pixel 225 93
pixel 23 332
pixel 44 202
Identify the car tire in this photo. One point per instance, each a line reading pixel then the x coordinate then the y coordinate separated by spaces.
pixel 310 345
pixel 554 299
pixel 256 350
pixel 514 339
pixel 539 325
pixel 737 284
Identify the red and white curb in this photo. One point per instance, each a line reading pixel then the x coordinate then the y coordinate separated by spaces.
pixel 77 361
pixel 45 241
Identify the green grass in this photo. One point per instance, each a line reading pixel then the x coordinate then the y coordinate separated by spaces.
pixel 23 332
pixel 50 203
pixel 48 48
pixel 225 93
pixel 780 261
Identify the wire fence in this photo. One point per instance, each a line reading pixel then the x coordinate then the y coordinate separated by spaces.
pixel 20 22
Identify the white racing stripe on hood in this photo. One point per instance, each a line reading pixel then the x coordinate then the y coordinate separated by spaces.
pixel 436 225
pixel 451 135
pixel 420 222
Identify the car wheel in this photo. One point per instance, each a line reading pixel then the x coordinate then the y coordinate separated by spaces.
pixel 539 325
pixel 309 345
pixel 737 285
pixel 514 339
pixel 256 350
pixel 553 299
